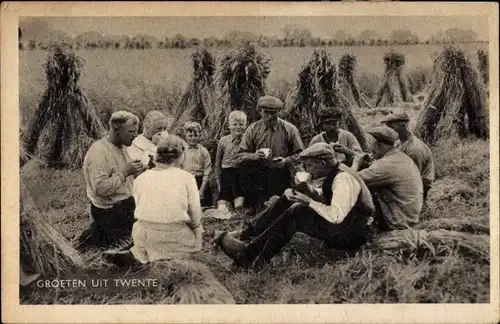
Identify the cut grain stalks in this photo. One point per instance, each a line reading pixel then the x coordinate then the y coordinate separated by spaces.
pixel 317 89
pixel 483 66
pixel 184 281
pixel 43 249
pixel 198 101
pixel 456 103
pixel 242 81
pixel 394 87
pixel 468 225
pixel 348 84
pixel 65 123
pixel 436 242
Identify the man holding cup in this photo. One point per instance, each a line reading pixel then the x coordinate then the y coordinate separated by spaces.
pixel 338 212
pixel 109 173
pixel 268 149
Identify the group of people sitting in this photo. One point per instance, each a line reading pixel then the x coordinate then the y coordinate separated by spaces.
pixel 151 187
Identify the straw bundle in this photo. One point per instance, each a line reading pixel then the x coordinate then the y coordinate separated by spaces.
pixel 241 80
pixel 394 88
pixel 65 123
pixel 43 249
pixel 483 65
pixel 468 225
pixel 198 101
pixel 191 282
pixel 456 104
pixel 347 81
pixel 317 89
pixel 437 242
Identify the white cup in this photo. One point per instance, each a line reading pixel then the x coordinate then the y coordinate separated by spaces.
pixel 266 151
pixel 303 176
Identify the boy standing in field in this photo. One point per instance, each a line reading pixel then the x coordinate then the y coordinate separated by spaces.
pixel 197 160
pixel 227 163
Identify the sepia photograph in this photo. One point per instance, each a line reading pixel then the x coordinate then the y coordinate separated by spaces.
pixel 255 159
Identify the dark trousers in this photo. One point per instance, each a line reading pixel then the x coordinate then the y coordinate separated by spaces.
pixel 274 228
pixel 109 226
pixel 207 194
pixel 230 184
pixel 260 182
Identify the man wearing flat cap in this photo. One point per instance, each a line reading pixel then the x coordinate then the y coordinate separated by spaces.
pixel 394 181
pixel 268 148
pixel 338 211
pixel 344 143
pixel 417 150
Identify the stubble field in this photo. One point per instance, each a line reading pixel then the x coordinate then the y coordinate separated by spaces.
pixel 306 272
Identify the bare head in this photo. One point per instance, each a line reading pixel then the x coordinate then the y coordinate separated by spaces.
pixel 155 122
pixel 123 127
pixel 237 122
pixel 170 150
pixel 192 132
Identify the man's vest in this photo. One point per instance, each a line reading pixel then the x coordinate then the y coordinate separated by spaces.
pixel 364 207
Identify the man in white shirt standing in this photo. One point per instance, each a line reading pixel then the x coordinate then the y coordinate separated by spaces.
pixel 144 146
pixel 338 213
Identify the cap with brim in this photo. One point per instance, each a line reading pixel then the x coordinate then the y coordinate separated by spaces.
pixel 270 103
pixel 384 134
pixel 394 117
pixel 320 151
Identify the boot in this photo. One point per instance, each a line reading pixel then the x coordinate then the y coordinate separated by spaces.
pixel 235 249
pixel 121 259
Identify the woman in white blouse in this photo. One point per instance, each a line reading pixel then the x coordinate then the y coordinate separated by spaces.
pixel 168 210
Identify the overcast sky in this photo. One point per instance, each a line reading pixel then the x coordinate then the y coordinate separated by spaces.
pixel 324 27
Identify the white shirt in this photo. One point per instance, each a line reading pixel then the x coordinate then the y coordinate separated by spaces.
pixel 102 166
pixel 167 195
pixel 141 148
pixel 345 192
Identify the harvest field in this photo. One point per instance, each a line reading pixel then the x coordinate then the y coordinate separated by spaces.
pixel 306 271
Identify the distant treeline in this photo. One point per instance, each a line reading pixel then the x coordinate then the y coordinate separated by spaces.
pixel 181 43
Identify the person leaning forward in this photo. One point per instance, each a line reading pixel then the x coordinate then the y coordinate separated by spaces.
pixel 417 150
pixel 109 173
pixel 339 212
pixel 344 143
pixel 266 175
pixel 394 181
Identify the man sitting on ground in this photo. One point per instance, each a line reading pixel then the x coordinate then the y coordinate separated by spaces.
pixel 345 144
pixel 109 174
pixel 339 212
pixel 263 174
pixel 417 150
pixel 144 146
pixel 394 181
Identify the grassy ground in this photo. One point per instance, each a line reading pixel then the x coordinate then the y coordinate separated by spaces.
pixel 305 272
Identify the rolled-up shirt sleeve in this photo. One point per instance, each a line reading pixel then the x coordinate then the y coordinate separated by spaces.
pixel 102 183
pixel 345 192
